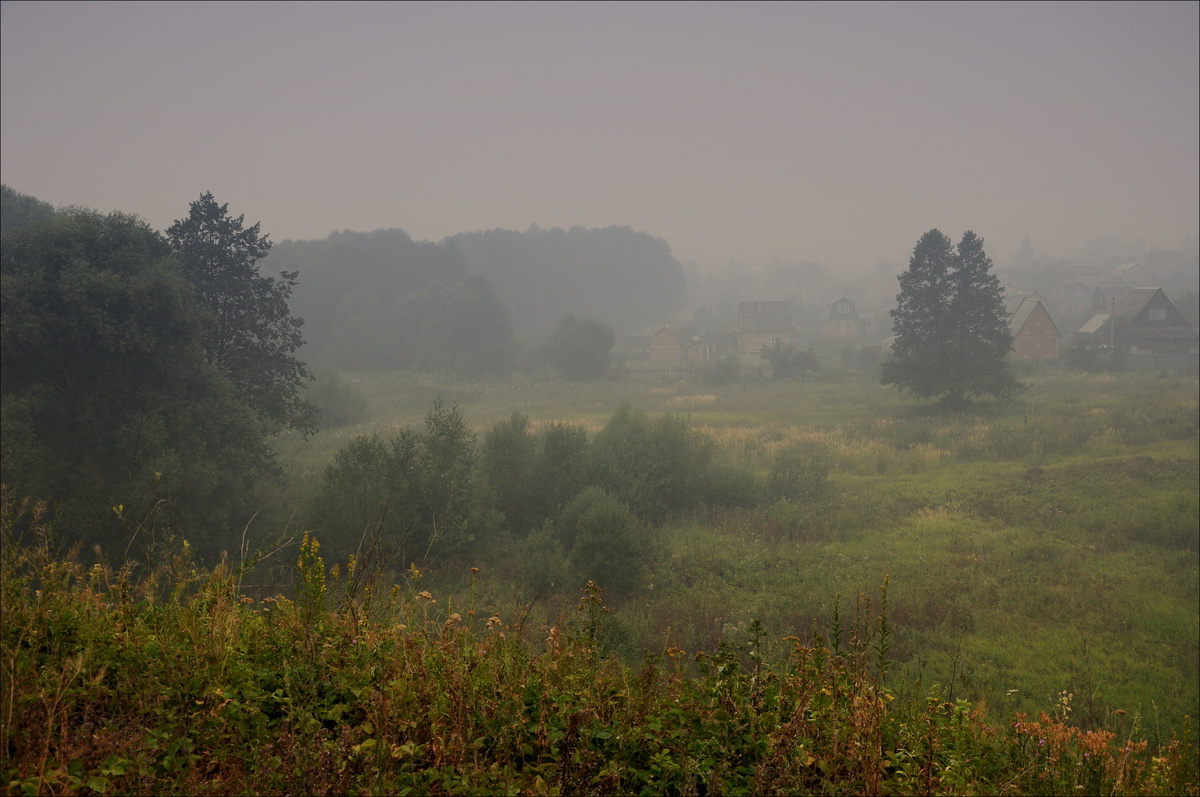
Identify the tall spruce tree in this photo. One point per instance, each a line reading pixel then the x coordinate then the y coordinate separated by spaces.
pixel 952 336
pixel 979 321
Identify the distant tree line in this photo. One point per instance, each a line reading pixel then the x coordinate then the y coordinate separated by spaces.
pixel 466 305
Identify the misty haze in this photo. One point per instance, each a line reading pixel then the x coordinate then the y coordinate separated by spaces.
pixel 600 398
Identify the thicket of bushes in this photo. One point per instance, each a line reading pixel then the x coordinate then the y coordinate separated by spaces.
pixel 441 494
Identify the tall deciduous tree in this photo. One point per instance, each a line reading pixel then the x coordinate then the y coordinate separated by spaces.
pixel 251 334
pixel 109 406
pixel 952 335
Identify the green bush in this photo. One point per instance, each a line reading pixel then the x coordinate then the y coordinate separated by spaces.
pixel 372 487
pixel 542 565
pixel 656 466
pixel 507 462
pixel 731 486
pixel 561 469
pixel 414 491
pixel 528 478
pixel 608 544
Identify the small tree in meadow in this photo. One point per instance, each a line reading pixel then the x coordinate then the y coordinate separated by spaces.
pixel 657 466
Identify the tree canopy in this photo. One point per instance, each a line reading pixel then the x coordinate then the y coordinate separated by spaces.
pixel 579 347
pixel 110 406
pixel 789 362
pixel 626 277
pixel 250 332
pixel 952 337
pixel 387 264
pixel 143 372
pixel 21 210
pixel 460 329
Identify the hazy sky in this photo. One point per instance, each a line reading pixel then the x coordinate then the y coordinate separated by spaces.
pixel 831 132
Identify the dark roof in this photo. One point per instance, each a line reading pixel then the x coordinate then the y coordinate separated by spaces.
pixel 851 314
pixel 1109 292
pixel 1067 288
pixel 1019 311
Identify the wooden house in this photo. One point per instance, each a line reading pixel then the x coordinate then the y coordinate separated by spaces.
pixel 1131 273
pixel 664 346
pixel 1070 303
pixel 1163 265
pixel 843 320
pixel 1105 298
pixel 763 324
pixel 1035 337
pixel 1146 322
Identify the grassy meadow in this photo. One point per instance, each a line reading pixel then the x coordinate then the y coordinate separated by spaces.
pixel 959 576
pixel 1036 546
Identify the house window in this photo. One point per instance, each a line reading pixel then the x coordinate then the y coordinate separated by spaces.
pixel 1158 314
pixel 842 308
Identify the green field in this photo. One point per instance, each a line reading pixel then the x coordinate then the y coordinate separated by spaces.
pixel 955 577
pixel 1042 545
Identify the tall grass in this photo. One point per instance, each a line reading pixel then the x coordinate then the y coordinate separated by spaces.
pixel 173 682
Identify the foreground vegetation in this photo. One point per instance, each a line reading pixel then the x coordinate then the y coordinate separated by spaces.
pixel 174 682
pixel 1043 556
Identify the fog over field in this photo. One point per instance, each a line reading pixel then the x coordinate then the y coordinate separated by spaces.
pixel 832 133
pixel 600 398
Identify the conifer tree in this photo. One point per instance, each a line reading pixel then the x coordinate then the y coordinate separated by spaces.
pixel 952 335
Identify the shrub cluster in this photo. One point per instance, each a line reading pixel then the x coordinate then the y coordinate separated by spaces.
pixel 412 491
pixel 597 500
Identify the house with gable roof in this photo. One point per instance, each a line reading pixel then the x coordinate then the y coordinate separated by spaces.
pixel 1035 337
pixel 843 320
pixel 1147 325
pixel 664 346
pixel 1070 303
pixel 1162 265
